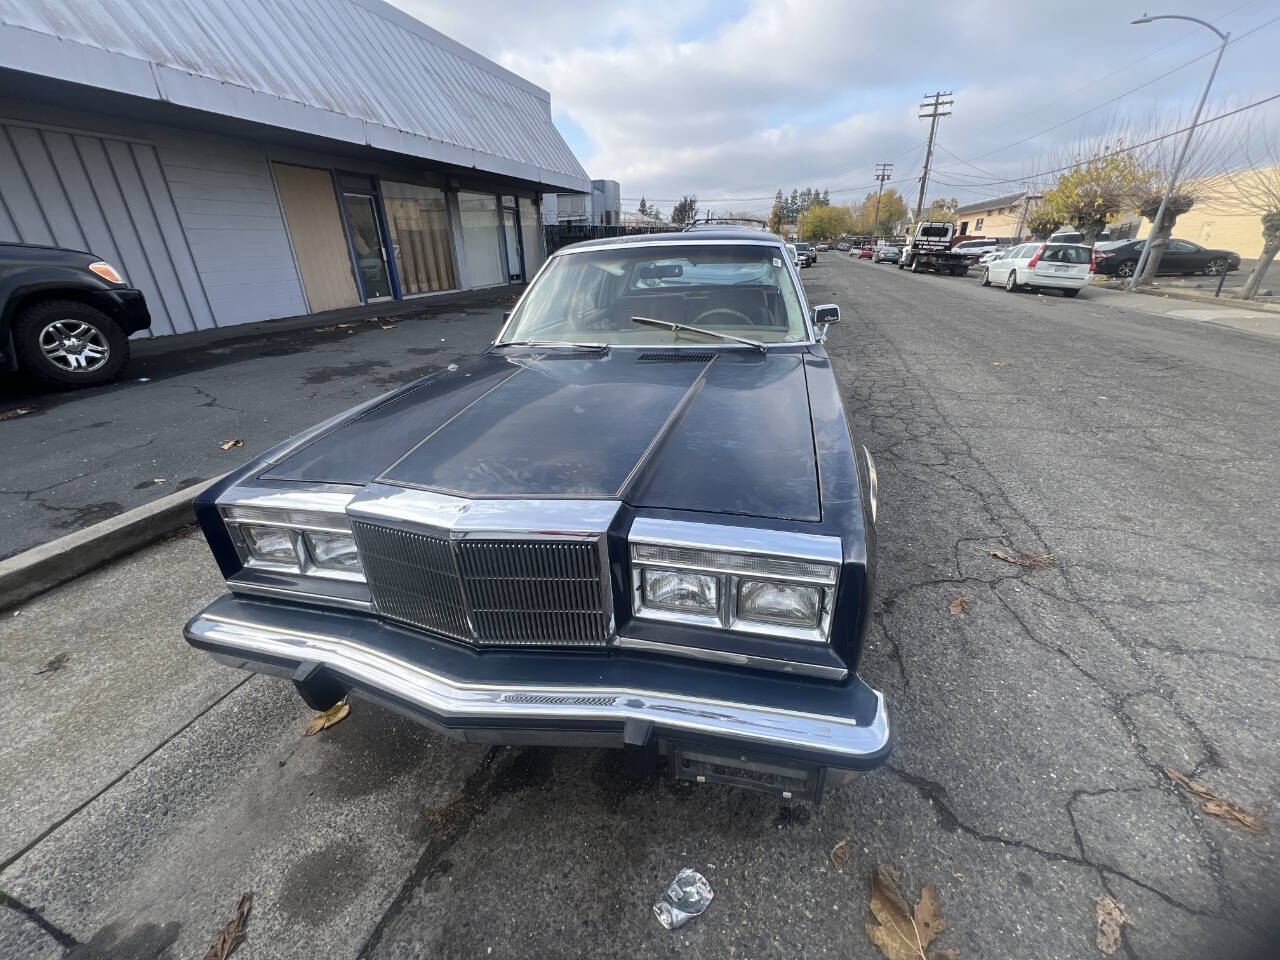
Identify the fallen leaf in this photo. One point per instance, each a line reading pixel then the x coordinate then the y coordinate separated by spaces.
pixel 1036 561
pixel 903 933
pixel 999 363
pixel 231 935
pixel 840 853
pixel 327 718
pixel 1217 806
pixel 958 606
pixel 388 326
pixel 1111 917
pixel 228 444
pixel 16 412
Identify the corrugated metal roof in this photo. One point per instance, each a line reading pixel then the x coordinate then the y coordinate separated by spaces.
pixel 354 70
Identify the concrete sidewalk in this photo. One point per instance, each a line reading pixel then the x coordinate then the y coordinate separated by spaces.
pixel 75 458
pixel 1253 317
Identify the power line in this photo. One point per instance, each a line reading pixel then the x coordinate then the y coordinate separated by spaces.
pixel 1126 93
pixel 1116 152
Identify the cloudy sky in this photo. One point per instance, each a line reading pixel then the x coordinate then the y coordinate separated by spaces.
pixel 732 99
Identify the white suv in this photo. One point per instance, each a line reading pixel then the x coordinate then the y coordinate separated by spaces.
pixel 1049 266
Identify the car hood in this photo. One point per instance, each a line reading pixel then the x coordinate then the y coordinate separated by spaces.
pixel 720 431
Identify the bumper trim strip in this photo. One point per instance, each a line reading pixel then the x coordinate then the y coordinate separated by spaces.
pixel 839 738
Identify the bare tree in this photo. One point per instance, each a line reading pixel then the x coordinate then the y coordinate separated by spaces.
pixel 1254 188
pixel 1210 154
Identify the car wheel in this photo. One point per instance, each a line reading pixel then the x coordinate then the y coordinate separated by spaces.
pixel 986 277
pixel 915 265
pixel 1069 293
pixel 70 344
pixel 1126 268
pixel 1216 267
pixel 1011 282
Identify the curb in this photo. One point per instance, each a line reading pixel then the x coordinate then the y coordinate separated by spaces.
pixel 44 567
pixel 1174 293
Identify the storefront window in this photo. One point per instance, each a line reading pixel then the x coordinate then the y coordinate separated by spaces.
pixel 419 223
pixel 480 239
pixel 531 233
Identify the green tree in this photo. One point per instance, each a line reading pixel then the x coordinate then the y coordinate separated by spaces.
pixel 775 216
pixel 824 223
pixel 643 209
pixel 1041 223
pixel 1097 191
pixel 941 208
pixel 685 212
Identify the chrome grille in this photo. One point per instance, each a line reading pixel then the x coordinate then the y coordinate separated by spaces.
pixel 488 591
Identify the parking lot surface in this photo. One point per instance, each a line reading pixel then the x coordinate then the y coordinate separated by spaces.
pixel 147 788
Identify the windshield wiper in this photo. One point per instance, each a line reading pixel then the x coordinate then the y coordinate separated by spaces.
pixel 553 343
pixel 705 332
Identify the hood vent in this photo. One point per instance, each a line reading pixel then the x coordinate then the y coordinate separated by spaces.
pixel 676 356
pixel 575 355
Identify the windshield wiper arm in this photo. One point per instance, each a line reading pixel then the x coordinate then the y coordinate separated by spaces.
pixel 705 332
pixel 553 343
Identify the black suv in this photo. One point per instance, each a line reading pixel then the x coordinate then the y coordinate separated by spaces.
pixel 65 315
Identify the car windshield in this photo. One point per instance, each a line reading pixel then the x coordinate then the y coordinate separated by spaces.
pixel 802 246
pixel 745 290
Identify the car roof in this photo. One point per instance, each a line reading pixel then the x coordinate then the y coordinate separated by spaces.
pixel 728 234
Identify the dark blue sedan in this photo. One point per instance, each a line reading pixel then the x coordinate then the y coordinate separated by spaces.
pixel 637 520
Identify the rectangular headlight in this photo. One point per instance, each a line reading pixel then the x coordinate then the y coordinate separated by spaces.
pixel 333 551
pixel 673 590
pixel 270 544
pixel 775 602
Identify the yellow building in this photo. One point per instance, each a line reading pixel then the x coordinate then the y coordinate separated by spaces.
pixel 1222 219
pixel 996 217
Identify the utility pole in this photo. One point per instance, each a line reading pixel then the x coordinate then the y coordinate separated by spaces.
pixel 884 171
pixel 931 110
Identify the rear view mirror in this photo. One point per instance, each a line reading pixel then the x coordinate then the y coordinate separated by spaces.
pixel 827 313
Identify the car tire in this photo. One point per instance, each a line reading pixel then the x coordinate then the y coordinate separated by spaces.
pixel 915 265
pixel 1011 282
pixel 1070 293
pixel 43 331
pixel 1216 267
pixel 986 277
pixel 1125 269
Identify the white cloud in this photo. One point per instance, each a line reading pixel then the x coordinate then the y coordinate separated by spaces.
pixel 683 97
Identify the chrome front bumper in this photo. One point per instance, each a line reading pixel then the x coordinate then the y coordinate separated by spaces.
pixel 618 714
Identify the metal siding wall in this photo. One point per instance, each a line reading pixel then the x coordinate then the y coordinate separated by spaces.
pixel 107 196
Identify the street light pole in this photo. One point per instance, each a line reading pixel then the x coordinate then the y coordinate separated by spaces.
pixel 1186 143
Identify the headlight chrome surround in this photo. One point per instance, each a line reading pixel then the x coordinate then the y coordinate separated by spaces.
pixel 315 521
pixel 806 564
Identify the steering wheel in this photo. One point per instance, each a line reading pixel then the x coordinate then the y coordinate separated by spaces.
pixel 726 310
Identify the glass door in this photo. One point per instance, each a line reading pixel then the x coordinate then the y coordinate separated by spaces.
pixel 367 246
pixel 511 227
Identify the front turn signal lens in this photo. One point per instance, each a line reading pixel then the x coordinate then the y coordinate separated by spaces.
pixel 106 271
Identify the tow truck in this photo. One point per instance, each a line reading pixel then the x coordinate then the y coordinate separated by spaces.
pixel 928 247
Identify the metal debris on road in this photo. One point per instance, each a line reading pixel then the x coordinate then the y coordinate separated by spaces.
pixel 688 895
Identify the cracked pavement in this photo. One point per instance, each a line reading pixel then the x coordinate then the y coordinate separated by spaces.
pixel 88 455
pixel 148 787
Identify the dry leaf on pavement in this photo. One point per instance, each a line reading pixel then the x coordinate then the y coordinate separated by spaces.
pixel 1036 561
pixel 1218 806
pixel 903 933
pixel 230 936
pixel 228 444
pixel 840 853
pixel 327 718
pixel 1111 917
pixel 958 606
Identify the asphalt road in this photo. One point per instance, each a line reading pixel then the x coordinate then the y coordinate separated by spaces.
pixel 74 458
pixel 146 788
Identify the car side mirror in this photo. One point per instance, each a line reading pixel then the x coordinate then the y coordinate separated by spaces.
pixel 823 315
